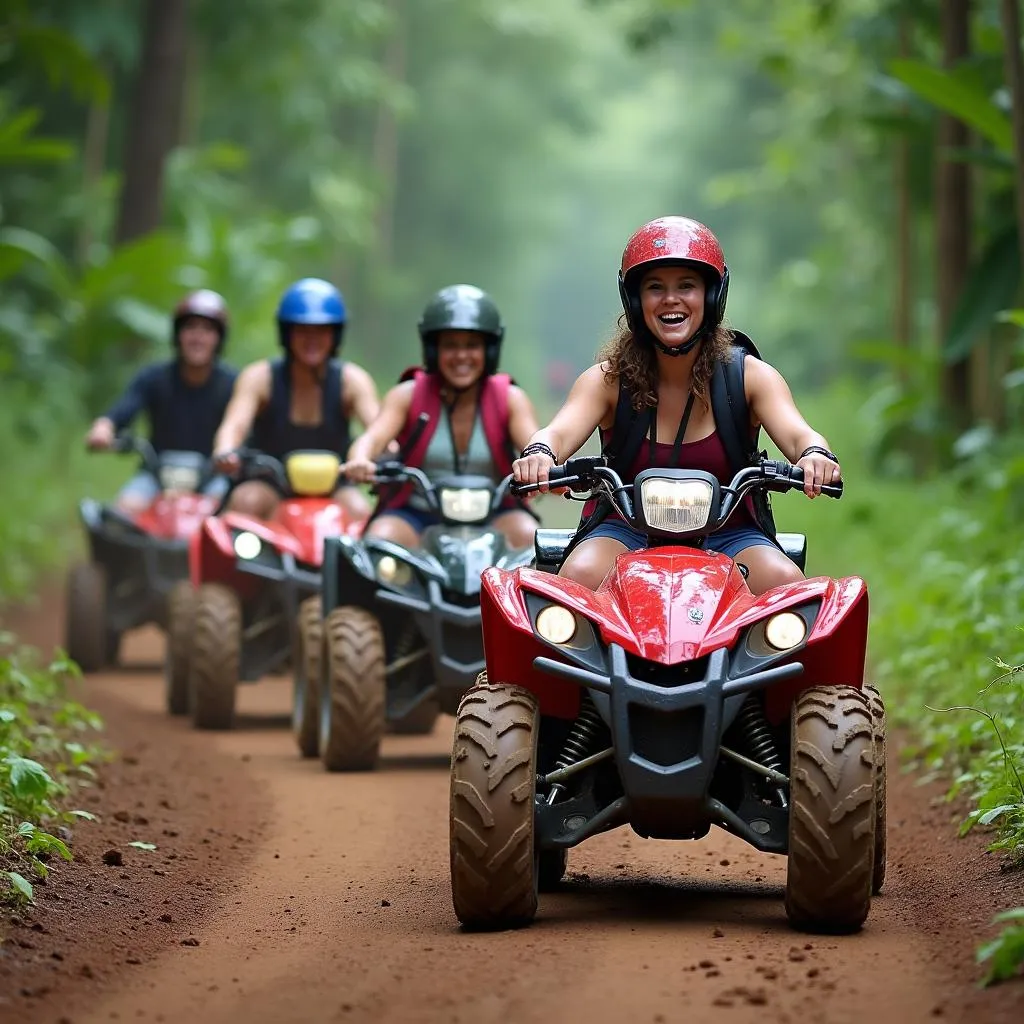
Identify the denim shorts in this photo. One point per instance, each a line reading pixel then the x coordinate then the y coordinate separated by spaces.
pixel 730 540
pixel 418 519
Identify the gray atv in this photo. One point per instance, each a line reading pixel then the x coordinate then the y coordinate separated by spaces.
pixel 401 628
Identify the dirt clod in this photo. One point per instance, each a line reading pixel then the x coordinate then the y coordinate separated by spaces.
pixel 113 858
pixel 190 942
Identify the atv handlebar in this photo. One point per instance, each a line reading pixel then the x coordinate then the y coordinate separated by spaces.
pixel 590 473
pixel 130 443
pixel 391 471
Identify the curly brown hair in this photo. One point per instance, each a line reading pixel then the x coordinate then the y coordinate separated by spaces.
pixel 633 362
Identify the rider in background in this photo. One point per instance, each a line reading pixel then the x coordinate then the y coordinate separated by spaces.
pixel 477 418
pixel 301 400
pixel 184 398
pixel 673 282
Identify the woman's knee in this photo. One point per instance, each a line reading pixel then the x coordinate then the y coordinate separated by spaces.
pixel 768 568
pixel 253 499
pixel 590 562
pixel 394 529
pixel 519 528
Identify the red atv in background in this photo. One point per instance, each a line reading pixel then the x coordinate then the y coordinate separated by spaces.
pixel 257 584
pixel 138 563
pixel 671 699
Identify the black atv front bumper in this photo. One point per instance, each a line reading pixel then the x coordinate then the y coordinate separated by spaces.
pixel 667 741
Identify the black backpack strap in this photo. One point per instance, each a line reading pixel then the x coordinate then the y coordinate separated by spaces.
pixel 732 420
pixel 731 411
pixel 628 432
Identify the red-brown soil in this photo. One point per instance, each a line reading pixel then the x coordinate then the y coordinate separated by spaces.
pixel 316 897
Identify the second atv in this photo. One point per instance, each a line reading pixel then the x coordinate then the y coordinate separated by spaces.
pixel 251 577
pixel 402 637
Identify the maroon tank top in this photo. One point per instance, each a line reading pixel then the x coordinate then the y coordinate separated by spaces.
pixel 706 455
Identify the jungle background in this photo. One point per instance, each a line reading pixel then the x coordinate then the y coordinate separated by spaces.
pixel 862 163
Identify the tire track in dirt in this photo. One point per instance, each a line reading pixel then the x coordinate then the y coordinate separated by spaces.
pixel 345 914
pixel 341 910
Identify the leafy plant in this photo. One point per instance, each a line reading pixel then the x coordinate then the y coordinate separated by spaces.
pixel 1005 953
pixel 43 760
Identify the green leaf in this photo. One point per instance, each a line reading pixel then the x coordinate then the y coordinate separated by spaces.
pixel 987 293
pixel 29 779
pixel 21 885
pixel 86 815
pixel 997 812
pixel 143 846
pixel 952 95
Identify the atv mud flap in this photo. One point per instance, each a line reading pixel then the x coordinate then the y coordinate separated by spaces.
pixel 667 741
pixel 451 632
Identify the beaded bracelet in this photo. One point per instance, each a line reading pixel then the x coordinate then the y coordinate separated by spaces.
pixel 539 448
pixel 816 449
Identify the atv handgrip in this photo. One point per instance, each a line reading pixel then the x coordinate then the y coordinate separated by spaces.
pixel 795 475
pixel 557 477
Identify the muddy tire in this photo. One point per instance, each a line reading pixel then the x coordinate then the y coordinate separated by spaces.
pixel 352 706
pixel 551 865
pixel 420 722
pixel 832 810
pixel 491 818
pixel 306 679
pixel 181 608
pixel 87 638
pixel 216 652
pixel 877 706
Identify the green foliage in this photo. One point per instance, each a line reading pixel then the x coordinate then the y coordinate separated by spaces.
pixel 946 598
pixel 45 755
pixel 1004 954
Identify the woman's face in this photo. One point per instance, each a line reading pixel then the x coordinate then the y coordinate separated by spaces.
pixel 460 357
pixel 672 299
pixel 310 344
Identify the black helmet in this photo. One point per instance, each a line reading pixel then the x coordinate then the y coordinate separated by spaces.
pixel 461 307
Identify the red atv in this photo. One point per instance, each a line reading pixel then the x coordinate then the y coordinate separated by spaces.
pixel 257 587
pixel 671 699
pixel 138 563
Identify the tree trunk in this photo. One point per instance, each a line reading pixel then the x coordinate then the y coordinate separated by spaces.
pixel 94 162
pixel 1015 81
pixel 155 121
pixel 953 215
pixel 904 299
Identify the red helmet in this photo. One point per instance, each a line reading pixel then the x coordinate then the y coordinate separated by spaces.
pixel 670 240
pixel 205 303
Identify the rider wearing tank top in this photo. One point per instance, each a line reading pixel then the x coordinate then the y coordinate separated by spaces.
pixel 302 400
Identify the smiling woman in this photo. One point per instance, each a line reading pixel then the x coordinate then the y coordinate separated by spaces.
pixel 655 381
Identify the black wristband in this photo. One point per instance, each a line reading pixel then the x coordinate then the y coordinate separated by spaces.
pixel 539 448
pixel 816 449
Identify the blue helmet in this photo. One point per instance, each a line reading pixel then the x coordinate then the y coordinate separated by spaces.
pixel 311 301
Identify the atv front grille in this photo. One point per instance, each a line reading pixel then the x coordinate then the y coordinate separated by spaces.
pixel 667 675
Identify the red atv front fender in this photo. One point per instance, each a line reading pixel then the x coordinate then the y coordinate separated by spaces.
pixel 664 631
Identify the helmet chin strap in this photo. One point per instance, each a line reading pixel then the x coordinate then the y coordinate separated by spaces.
pixel 678 350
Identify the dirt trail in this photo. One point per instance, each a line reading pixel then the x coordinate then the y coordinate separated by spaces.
pixel 340 911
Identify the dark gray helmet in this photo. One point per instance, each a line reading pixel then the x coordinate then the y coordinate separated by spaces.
pixel 461 307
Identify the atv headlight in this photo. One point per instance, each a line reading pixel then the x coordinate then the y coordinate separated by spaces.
pixel 676 506
pixel 465 505
pixel 179 479
pixel 248 546
pixel 785 631
pixel 393 572
pixel 556 624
